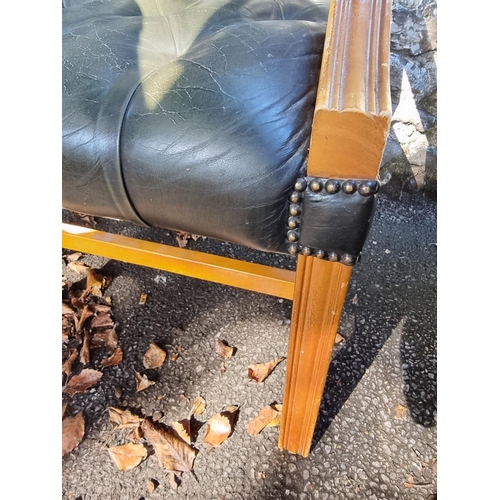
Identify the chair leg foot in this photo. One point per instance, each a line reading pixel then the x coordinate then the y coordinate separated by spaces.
pixel 320 290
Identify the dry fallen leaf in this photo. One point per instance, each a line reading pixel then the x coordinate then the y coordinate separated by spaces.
pixel 220 426
pixel 135 435
pixel 151 486
pixel 266 416
pixel 154 357
pixel 114 359
pixel 173 453
pixel 102 320
pixel 259 372
pixel 94 283
pixel 73 430
pixel 142 382
pixel 85 314
pixel 175 357
pixel 198 407
pixel 85 350
pixel 128 456
pixel 222 348
pixel 107 338
pixel 183 430
pixel 277 419
pixel 64 406
pixel 78 267
pixel 81 382
pixel 339 338
pixel 68 364
pixel 66 309
pixel 401 411
pixel 74 256
pixel 142 300
pixel 123 419
pixel 182 238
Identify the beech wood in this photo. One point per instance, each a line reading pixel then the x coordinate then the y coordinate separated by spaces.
pixel 223 270
pixel 349 132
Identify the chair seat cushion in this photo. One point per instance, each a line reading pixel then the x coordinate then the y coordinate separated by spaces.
pixel 190 115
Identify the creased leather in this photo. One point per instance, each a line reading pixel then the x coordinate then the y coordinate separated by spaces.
pixel 193 116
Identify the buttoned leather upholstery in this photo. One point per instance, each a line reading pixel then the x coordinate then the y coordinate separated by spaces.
pixel 190 115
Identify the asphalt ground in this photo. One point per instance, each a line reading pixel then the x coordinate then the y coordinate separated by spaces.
pixel 376 436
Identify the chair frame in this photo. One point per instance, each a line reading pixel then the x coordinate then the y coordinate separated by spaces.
pixel 349 132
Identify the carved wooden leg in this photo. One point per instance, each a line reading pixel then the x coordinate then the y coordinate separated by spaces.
pixel 320 290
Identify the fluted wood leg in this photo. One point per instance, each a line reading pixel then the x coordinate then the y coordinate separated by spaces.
pixel 320 290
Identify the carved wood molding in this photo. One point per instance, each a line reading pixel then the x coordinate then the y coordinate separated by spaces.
pixel 353 107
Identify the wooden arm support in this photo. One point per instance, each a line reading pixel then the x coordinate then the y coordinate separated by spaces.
pixel 350 127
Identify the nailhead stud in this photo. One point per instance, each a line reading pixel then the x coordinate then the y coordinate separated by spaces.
pixel 306 251
pixel 333 257
pixel 347 259
pixel 349 187
pixel 295 209
pixel 292 236
pixel 320 254
pixel 332 186
pixel 293 248
pixel 316 185
pixel 300 184
pixel 293 222
pixel 295 197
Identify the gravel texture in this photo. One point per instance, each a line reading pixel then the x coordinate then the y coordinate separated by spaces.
pixel 376 434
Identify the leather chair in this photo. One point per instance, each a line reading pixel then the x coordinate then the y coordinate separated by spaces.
pixel 256 122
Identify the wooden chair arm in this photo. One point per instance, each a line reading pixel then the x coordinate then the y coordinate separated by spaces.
pixel 353 107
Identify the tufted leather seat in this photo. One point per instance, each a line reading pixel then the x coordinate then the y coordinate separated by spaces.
pixel 258 122
pixel 193 116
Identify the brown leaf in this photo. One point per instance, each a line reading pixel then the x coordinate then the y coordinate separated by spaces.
pixel 107 338
pixel 220 426
pixel 222 348
pixel 259 372
pixel 172 452
pixel 85 350
pixel 142 382
pixel 198 407
pixel 102 320
pixel 85 314
pixel 81 382
pixel 154 357
pixel 123 419
pixel 182 238
pixel 183 430
pixel 100 308
pixel 68 364
pixel 339 338
pixel 94 283
pixel 401 411
pixel 263 419
pixel 66 309
pixel 64 406
pixel 74 256
pixel 175 357
pixel 276 420
pixel 78 267
pixel 114 359
pixel 73 430
pixel 142 300
pixel 135 435
pixel 128 456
